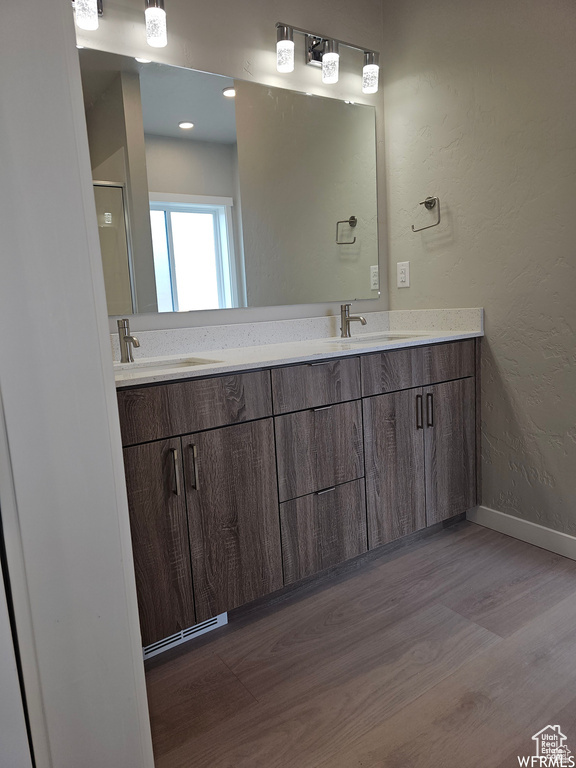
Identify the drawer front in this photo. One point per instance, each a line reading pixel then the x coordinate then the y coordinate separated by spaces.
pixel 322 383
pixel 319 448
pixel 393 370
pixel 416 367
pixel 144 414
pixel 445 362
pixel 323 529
pixel 153 413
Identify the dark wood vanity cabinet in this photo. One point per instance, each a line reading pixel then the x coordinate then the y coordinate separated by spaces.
pixel 419 442
pixel 240 484
pixel 231 495
pixel 159 527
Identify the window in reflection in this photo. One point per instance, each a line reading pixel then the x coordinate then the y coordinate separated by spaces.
pixel 193 261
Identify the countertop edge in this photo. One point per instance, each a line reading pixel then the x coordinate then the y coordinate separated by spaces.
pixel 270 356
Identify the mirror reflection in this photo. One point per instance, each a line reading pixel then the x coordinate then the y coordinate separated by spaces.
pixel 213 193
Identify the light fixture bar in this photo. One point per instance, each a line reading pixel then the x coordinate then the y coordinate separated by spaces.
pixel 301 31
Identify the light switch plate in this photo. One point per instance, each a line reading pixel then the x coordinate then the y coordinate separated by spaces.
pixel 403 274
pixel 374 278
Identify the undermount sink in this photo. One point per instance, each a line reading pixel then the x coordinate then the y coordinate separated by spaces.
pixel 383 337
pixel 163 363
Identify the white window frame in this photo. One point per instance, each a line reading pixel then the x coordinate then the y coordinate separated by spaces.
pixel 227 269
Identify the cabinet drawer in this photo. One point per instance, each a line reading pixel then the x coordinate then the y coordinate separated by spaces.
pixel 416 367
pixel 152 413
pixel 323 529
pixel 313 384
pixel 319 448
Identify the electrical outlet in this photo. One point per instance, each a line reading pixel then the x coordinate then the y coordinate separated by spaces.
pixel 403 274
pixel 374 278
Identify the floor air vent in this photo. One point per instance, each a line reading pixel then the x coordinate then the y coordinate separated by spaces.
pixel 186 634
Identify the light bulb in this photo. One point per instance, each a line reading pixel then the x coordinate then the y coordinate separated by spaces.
pixel 87 14
pixel 330 62
pixel 285 49
pixel 370 73
pixel 156 24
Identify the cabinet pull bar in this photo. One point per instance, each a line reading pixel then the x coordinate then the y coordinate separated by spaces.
pixel 194 450
pixel 429 409
pixel 323 408
pixel 177 489
pixel 419 413
pixel 326 490
pixel 325 362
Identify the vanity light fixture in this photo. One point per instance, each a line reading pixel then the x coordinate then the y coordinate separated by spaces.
pixel 87 12
pixel 323 52
pixel 156 24
pixel 284 48
pixel 229 92
pixel 186 125
pixel 330 62
pixel 370 72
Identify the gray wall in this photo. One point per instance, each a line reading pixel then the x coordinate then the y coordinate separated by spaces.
pixel 186 167
pixel 246 49
pixel 481 111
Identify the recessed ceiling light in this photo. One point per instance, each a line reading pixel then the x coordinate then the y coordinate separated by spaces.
pixel 229 92
pixel 143 61
pixel 185 125
pixel 79 46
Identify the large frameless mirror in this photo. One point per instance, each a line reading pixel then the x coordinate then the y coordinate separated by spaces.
pixel 268 199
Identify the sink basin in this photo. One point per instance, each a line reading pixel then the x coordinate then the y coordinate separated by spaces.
pixel 379 338
pixel 163 363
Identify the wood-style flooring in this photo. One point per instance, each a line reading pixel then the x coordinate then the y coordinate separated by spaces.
pixel 451 653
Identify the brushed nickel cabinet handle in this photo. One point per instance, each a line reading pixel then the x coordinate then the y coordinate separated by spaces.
pixel 178 489
pixel 326 490
pixel 194 450
pixel 325 362
pixel 419 413
pixel 322 408
pixel 429 409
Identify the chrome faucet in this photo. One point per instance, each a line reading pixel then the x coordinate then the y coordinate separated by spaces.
pixel 346 318
pixel 126 341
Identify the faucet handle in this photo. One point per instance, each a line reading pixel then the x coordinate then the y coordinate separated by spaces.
pixel 124 325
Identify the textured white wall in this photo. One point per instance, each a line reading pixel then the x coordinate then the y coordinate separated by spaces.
pixel 239 40
pixel 481 111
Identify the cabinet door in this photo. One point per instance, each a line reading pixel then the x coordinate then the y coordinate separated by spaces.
pixel 394 449
pixel 159 538
pixel 319 448
pixel 323 529
pixel 231 492
pixel 450 449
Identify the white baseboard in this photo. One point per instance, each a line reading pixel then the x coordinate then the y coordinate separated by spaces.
pixel 540 536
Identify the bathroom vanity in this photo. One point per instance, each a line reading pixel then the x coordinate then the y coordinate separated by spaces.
pixel 245 481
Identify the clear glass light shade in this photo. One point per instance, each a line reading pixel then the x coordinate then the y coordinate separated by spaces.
pixel 156 27
pixel 86 14
pixel 330 67
pixel 285 55
pixel 370 78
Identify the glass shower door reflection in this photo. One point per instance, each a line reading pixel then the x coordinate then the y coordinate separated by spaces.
pixel 114 247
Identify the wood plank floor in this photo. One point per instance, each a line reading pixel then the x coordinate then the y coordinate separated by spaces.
pixel 451 653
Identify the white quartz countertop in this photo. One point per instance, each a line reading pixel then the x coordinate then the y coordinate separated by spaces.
pixel 217 361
